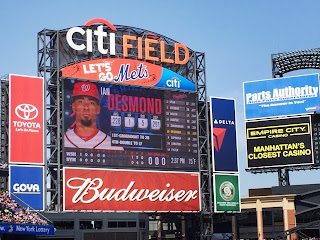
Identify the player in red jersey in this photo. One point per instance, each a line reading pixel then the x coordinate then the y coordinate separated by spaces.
pixel 86 107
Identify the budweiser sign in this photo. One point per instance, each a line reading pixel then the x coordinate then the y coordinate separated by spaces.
pixel 111 190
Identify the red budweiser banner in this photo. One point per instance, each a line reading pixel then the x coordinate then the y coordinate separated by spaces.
pixel 123 190
pixel 26 120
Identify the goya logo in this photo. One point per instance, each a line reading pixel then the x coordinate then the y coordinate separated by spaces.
pixel 149 47
pixel 26 111
pixel 26 188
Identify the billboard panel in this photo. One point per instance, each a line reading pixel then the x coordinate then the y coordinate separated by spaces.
pixel 223 138
pixel 26 120
pixel 279 142
pixel 226 193
pixel 27 185
pixel 282 96
pixel 128 71
pixel 10 228
pixel 117 125
pixel 124 190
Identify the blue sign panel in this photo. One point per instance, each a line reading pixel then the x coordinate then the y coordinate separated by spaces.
pixel 26 186
pixel 223 128
pixel 26 229
pixel 172 80
pixel 282 96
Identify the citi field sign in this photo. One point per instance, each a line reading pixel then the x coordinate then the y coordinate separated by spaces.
pixel 100 37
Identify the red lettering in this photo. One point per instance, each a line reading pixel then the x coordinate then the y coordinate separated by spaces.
pixel 124 103
pixel 110 102
pixel 137 104
pixel 143 107
pixel 118 102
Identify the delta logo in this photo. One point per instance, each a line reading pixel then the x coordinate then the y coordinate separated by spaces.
pixel 149 47
pixel 218 137
pixel 219 133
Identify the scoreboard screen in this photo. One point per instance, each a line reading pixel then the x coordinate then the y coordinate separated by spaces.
pixel 125 126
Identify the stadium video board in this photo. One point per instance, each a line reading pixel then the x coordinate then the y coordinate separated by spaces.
pixel 279 142
pixel 108 125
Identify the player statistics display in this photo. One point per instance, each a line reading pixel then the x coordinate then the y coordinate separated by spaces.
pixel 120 125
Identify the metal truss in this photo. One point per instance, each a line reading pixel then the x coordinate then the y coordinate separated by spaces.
pixel 4 118
pixel 295 60
pixel 48 68
pixel 206 223
pixel 300 231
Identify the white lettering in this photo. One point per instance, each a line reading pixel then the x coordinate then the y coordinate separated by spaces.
pixel 101 35
pixel 26 187
pixel 26 124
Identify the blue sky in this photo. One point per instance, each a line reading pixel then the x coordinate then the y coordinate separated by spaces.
pixel 238 38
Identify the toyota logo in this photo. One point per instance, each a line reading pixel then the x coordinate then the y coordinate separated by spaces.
pixel 26 111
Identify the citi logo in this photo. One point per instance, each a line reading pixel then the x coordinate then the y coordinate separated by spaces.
pixel 26 111
pixel 174 82
pixel 101 35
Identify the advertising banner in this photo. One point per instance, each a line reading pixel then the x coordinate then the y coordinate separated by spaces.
pixel 224 141
pixel 226 193
pixel 26 120
pixel 27 185
pixel 279 142
pixel 128 71
pixel 282 96
pixel 9 228
pixel 123 190
pixel 113 125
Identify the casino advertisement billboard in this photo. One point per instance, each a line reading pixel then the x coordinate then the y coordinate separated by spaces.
pixel 279 142
pixel 282 96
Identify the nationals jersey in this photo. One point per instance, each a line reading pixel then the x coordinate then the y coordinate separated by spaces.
pixel 98 141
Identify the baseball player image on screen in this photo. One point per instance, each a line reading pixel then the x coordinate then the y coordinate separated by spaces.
pixel 85 106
